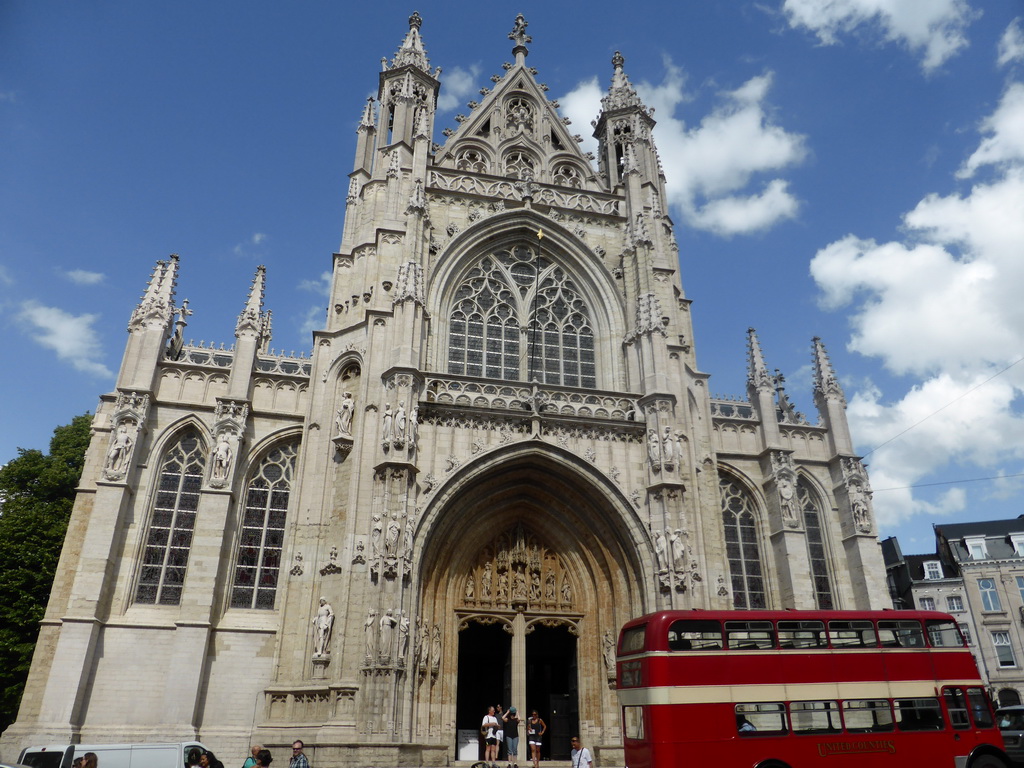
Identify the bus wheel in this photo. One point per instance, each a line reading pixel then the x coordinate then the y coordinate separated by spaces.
pixel 777 764
pixel 987 761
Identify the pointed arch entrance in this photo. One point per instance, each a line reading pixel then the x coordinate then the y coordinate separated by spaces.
pixel 532 553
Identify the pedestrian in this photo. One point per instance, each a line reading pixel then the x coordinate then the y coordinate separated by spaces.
pixel 264 758
pixel 512 721
pixel 194 756
pixel 250 761
pixel 298 759
pixel 90 760
pixel 209 760
pixel 489 730
pixel 580 755
pixel 535 730
pixel 78 762
pixel 500 714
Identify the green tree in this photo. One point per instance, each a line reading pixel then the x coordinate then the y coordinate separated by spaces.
pixel 37 492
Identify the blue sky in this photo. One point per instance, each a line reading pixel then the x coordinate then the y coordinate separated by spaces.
pixel 850 169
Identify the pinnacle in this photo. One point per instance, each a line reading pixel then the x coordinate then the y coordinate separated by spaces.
pixel 757 372
pixel 411 52
pixel 621 94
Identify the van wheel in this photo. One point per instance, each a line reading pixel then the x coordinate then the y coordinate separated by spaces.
pixel 987 761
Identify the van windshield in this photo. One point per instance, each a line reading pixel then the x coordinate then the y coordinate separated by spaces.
pixel 43 759
pixel 1010 719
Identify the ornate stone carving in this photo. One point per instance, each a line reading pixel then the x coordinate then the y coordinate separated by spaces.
pixel 409 283
pixel 858 491
pixel 784 475
pixel 343 420
pixel 130 413
pixel 332 563
pixel 297 568
pixel 323 625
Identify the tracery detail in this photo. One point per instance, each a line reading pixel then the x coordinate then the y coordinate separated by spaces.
pixel 741 546
pixel 815 547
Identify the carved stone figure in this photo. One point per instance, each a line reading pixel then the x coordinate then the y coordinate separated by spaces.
pixel 470 588
pixel 659 551
pixel 566 589
pixel 668 447
pixel 519 587
pixel 485 582
pixel 787 494
pixel 549 588
pixel 535 587
pixel 400 424
pixel 119 451
pixel 419 644
pixel 222 457
pixel 435 648
pixel 323 623
pixel 653 448
pixel 503 587
pixel 859 507
pixel 343 422
pixel 387 433
pixel 391 542
pixel 375 534
pixel 414 426
pixel 370 633
pixel 403 637
pixel 609 653
pixel 678 549
pixel 387 630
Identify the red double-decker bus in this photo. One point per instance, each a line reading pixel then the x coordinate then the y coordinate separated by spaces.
pixel 789 689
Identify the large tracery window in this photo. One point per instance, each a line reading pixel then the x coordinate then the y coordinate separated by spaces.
pixel 173 519
pixel 517 309
pixel 259 551
pixel 815 547
pixel 741 546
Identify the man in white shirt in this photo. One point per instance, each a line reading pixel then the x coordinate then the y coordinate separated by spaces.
pixel 580 755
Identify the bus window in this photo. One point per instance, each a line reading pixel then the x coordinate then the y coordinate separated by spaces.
pixel 918 714
pixel 802 634
pixel 867 715
pixel 765 719
pixel 633 639
pixel 944 634
pixel 980 709
pixel 633 722
pixel 901 634
pixel 852 634
pixel 750 635
pixel 695 635
pixel 956 706
pixel 815 717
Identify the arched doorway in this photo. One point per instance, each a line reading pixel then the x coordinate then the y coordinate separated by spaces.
pixel 532 543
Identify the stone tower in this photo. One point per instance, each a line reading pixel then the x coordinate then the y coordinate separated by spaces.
pixel 500 449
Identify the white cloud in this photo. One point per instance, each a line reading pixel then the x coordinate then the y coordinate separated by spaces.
pixel 313 320
pixel 321 285
pixel 942 305
pixel 243 248
pixel 715 169
pixel 83 277
pixel 5 276
pixel 72 337
pixel 933 28
pixel 457 84
pixel 1011 45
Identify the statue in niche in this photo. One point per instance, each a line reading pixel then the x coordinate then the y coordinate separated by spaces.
pixel 470 588
pixel 343 422
pixel 370 633
pixel 419 644
pixel 391 542
pixel 659 551
pixel 678 550
pixel 323 623
pixel 535 587
pixel 407 543
pixel 485 582
pixel 378 528
pixel 859 507
pixel 403 636
pixel 787 494
pixel 609 653
pixel 503 587
pixel 387 432
pixel 566 590
pixel 549 588
pixel 387 629
pixel 435 648
pixel 668 447
pixel 222 457
pixel 414 426
pixel 119 451
pixel 519 586
pixel 653 448
pixel 400 424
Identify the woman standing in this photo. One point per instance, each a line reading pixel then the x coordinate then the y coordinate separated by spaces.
pixel 535 730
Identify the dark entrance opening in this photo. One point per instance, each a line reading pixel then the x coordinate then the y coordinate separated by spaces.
pixel 485 660
pixel 552 688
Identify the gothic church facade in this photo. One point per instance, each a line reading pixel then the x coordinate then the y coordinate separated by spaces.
pixel 499 450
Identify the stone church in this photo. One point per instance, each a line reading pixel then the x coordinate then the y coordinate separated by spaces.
pixel 499 450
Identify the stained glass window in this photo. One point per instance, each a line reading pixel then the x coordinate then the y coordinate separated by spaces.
pixel 741 546
pixel 262 539
pixel 172 521
pixel 815 547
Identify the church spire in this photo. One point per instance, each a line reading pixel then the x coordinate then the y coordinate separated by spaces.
pixel 411 51
pixel 520 38
pixel 251 320
pixel 758 377
pixel 826 385
pixel 621 94
pixel 624 128
pixel 157 303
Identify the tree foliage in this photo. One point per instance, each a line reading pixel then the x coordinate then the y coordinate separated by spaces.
pixel 37 492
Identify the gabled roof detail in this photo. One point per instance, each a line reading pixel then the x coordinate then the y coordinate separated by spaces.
pixel 516 130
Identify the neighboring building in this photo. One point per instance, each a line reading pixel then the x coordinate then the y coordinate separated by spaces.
pixel 500 450
pixel 929 583
pixel 990 559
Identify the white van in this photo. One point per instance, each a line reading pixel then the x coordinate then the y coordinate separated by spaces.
pixel 111 755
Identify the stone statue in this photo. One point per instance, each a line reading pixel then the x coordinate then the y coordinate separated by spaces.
pixel 435 648
pixel 375 534
pixel 519 587
pixel 549 588
pixel 403 636
pixel 370 631
pixel 419 644
pixel 119 451
pixel 222 457
pixel 609 653
pixel 400 423
pixel 388 431
pixel 323 623
pixel 391 543
pixel 653 448
pixel 566 590
pixel 343 423
pixel 859 507
pixel 414 426
pixel 470 588
pixel 485 582
pixel 535 587
pixel 678 550
pixel 659 550
pixel 503 587
pixel 668 447
pixel 387 628
pixel 786 494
